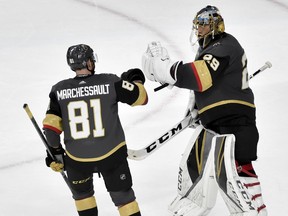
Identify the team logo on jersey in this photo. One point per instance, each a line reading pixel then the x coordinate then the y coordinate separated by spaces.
pixel 82 82
pixel 122 177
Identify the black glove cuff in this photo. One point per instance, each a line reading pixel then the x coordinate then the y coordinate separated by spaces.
pixel 53 151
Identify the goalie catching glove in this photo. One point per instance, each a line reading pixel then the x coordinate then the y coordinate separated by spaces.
pixel 57 162
pixel 157 65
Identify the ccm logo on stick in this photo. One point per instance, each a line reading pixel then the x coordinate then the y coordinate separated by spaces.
pixel 164 138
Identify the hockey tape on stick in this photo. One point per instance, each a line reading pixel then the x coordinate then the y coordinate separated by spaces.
pixel 151 148
pixel 264 67
pixel 36 126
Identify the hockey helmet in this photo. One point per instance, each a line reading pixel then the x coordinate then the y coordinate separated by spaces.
pixel 78 55
pixel 210 15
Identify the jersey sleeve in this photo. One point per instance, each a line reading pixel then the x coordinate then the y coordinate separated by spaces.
pixel 200 74
pixel 53 118
pixel 131 93
pixel 52 123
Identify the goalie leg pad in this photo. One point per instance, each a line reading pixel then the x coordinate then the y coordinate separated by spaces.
pixel 254 189
pixel 182 206
pixel 236 195
pixel 197 189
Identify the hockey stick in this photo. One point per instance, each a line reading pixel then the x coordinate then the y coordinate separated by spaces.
pixel 264 67
pixel 29 113
pixel 161 87
pixel 149 149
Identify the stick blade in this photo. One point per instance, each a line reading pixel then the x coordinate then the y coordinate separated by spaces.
pixel 137 154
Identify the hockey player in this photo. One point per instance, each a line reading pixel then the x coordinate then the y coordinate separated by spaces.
pixel 225 102
pixel 85 109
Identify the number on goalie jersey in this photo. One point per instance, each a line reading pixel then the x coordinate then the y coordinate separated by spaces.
pixel 219 79
pixel 85 109
pixel 220 86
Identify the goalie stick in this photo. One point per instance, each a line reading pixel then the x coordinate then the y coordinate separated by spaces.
pixel 264 67
pixel 142 153
pixel 149 149
pixel 36 126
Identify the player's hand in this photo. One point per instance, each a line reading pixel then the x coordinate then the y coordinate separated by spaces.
pixel 156 64
pixel 134 74
pixel 155 49
pixel 154 53
pixel 57 162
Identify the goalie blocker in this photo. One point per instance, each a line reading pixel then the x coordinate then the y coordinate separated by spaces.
pixel 208 165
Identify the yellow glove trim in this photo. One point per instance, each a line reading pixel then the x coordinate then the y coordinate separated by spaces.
pixel 57 167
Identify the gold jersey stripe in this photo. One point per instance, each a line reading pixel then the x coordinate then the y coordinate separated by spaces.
pixel 142 95
pixel 203 74
pixel 53 121
pixel 97 158
pixel 226 102
pixel 129 209
pixel 85 204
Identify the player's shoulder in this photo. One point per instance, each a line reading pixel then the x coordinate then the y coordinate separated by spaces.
pixel 229 39
pixel 64 82
pixel 106 76
pixel 225 45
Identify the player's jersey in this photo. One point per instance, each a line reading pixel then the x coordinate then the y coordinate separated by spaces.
pixel 86 109
pixel 219 79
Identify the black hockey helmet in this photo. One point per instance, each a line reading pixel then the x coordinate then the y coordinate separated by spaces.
pixel 78 55
pixel 210 15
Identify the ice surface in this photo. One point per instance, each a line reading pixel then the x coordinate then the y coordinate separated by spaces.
pixel 35 35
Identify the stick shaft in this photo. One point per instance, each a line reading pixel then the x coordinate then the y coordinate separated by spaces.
pixel 264 67
pixel 36 126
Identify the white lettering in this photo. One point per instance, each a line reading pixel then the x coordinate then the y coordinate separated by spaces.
pixel 83 91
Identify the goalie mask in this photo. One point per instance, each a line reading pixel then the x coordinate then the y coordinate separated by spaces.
pixel 207 17
pixel 78 56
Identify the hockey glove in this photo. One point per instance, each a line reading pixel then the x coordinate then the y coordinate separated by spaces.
pixel 57 162
pixel 157 64
pixel 132 75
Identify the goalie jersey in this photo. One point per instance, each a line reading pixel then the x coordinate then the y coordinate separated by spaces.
pixel 219 79
pixel 86 109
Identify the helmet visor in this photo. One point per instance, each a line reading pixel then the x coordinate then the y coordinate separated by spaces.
pixel 202 19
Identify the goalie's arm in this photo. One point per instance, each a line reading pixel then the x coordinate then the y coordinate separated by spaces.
pixel 198 75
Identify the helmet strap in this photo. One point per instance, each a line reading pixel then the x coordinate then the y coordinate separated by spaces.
pixel 90 65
